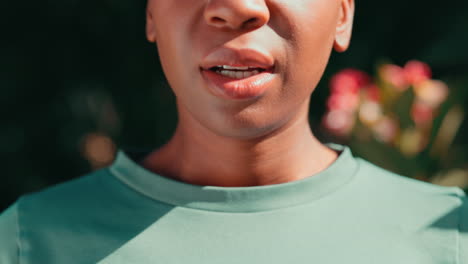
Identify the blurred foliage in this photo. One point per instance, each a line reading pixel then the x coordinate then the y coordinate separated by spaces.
pixel 77 72
pixel 401 120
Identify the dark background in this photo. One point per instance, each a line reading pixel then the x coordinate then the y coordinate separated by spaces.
pixel 69 68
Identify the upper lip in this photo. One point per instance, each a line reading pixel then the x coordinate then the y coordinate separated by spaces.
pixel 245 57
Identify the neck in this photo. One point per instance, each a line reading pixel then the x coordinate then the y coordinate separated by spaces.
pixel 202 157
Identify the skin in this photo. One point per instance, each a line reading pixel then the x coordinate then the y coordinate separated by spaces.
pixel 263 140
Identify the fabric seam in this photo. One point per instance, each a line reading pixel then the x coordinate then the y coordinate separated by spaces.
pixel 115 174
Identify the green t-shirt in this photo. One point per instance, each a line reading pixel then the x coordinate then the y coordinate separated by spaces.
pixel 352 212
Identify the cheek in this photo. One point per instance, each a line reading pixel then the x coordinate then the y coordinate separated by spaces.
pixel 310 48
pixel 173 56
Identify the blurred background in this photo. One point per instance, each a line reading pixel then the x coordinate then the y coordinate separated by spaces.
pixel 78 81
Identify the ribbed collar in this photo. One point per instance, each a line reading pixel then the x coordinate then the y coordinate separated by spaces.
pixel 236 199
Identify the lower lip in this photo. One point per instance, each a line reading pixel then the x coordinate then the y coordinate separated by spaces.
pixel 237 89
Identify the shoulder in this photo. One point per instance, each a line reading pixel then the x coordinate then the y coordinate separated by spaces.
pixel 413 202
pixel 393 184
pixel 38 212
pixel 463 231
pixel 9 237
pixel 433 216
pixel 72 203
pixel 48 225
pixel 80 190
pixel 64 205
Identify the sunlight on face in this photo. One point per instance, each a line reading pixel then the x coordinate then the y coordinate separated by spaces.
pixel 243 68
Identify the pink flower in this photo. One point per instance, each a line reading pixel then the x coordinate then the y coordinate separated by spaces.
pixel 339 122
pixel 417 71
pixel 394 75
pixel 343 101
pixel 421 113
pixel 349 81
pixel 386 129
pixel 372 93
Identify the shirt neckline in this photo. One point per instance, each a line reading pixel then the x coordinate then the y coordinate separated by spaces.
pixel 236 199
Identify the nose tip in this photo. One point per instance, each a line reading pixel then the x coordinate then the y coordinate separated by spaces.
pixel 236 14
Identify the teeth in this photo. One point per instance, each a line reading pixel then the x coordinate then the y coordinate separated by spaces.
pixel 241 68
pixel 238 74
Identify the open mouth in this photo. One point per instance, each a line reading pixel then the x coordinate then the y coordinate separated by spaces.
pixel 234 72
pixel 239 82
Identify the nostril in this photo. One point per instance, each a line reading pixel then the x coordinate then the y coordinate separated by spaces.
pixel 249 23
pixel 217 20
pixel 236 14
